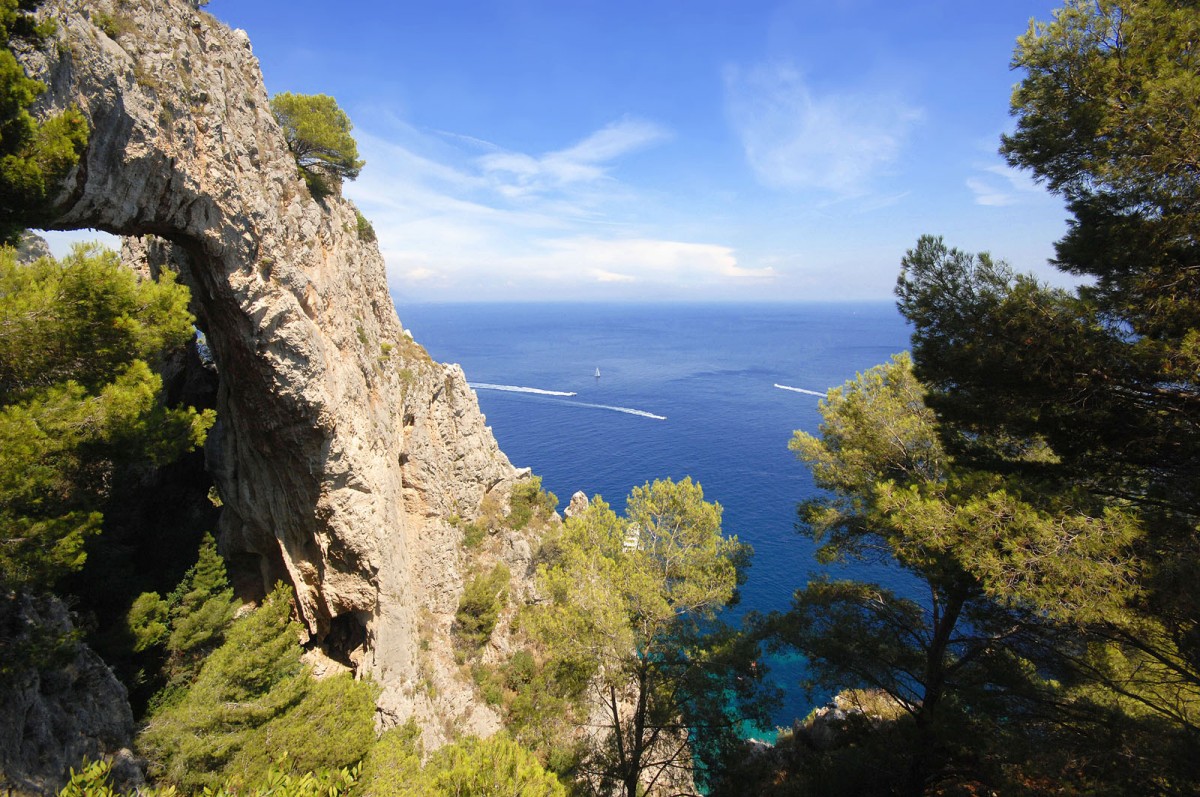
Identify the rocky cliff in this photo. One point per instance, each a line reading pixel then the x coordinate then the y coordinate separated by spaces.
pixel 342 451
pixel 56 715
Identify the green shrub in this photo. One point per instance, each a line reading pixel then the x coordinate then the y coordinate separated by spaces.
pixel 471 766
pixel 480 606
pixel 473 534
pixel 528 500
pixel 93 780
pixel 496 765
pixel 365 231
pixel 113 25
pixel 489 683
pixel 520 670
pixel 392 766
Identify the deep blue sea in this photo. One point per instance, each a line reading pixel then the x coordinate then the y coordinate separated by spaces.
pixel 711 391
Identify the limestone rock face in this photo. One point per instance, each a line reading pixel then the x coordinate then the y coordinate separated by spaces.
pixel 341 450
pixel 579 504
pixel 54 717
pixel 31 247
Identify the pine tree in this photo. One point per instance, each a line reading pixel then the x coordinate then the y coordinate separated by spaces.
pixel 78 398
pixel 1103 379
pixel 201 607
pixel 632 609
pixel 1000 568
pixel 317 132
pixel 254 703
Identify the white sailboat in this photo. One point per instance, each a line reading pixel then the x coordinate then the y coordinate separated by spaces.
pixel 597 373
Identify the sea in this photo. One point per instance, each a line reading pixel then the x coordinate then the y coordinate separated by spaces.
pixel 606 397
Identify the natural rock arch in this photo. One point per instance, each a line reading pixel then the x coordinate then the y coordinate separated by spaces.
pixel 342 450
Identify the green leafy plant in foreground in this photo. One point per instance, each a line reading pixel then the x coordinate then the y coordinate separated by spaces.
pixel 94 779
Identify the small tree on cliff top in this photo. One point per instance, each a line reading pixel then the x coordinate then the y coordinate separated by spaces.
pixel 318 134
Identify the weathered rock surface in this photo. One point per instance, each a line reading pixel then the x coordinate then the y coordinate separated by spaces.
pixel 31 247
pixel 341 450
pixel 579 504
pixel 56 715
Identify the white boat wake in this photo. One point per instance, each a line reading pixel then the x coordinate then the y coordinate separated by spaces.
pixel 626 410
pixel 538 391
pixel 799 390
pixel 518 389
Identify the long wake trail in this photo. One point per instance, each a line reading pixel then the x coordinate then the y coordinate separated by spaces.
pixel 626 410
pixel 799 390
pixel 538 391
pixel 519 389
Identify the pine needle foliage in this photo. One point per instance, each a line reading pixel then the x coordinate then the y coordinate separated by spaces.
pixel 317 132
pixel 79 397
pixel 479 609
pixel 492 767
pixel 254 701
pixel 631 613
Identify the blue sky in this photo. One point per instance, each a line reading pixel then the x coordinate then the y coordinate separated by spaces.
pixel 654 150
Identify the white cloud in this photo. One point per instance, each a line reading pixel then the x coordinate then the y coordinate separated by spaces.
pixel 517 174
pixel 420 274
pixel 765 273
pixel 639 258
pixel 458 218
pixel 796 138
pixel 612 276
pixel 988 194
pixel 999 185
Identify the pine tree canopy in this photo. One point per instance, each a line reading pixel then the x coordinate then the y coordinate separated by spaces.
pixel 318 134
pixel 79 339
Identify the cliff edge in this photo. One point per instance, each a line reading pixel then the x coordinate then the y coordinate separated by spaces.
pixel 342 451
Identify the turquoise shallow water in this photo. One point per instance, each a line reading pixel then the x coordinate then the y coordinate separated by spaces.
pixel 708 391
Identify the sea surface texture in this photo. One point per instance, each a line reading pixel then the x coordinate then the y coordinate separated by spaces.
pixel 709 391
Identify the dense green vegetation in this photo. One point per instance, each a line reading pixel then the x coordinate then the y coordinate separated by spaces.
pixel 482 599
pixel 632 618
pixel 252 702
pixel 492 767
pixel 79 398
pixel 1032 466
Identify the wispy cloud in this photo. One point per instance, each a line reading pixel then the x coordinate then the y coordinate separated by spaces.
pixel 797 138
pixel 457 216
pixel 998 185
pixel 516 174
pixel 643 260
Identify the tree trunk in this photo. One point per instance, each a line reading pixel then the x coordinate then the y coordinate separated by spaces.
pixel 924 757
